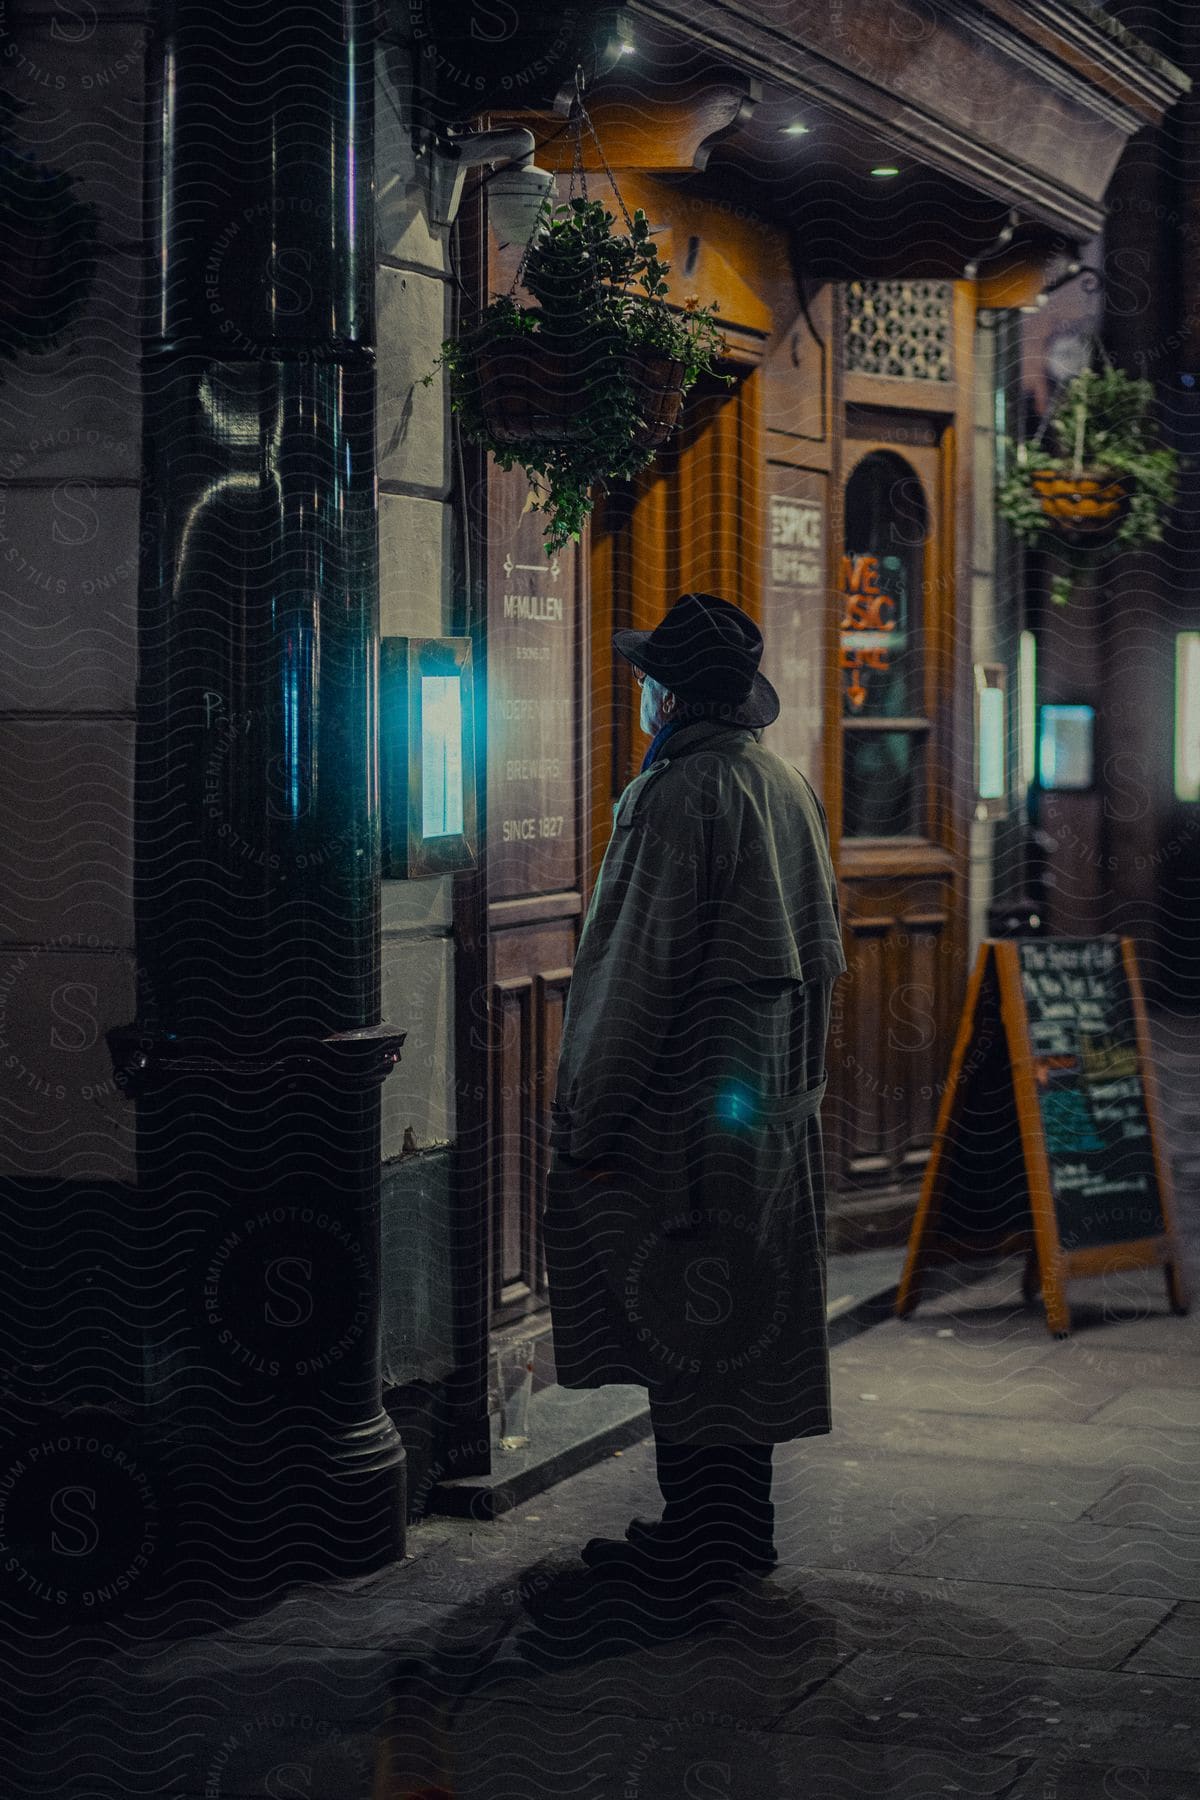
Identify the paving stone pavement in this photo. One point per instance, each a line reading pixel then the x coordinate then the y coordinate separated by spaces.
pixel 989 1587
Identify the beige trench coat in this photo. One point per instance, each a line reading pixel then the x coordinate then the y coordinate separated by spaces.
pixel 685 1218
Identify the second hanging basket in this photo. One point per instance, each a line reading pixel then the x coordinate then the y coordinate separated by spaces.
pixel 1084 510
pixel 1099 484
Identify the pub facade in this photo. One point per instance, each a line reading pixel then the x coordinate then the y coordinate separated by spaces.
pixel 869 268
pixel 870 194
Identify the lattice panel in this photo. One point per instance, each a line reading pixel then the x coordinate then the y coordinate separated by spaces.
pixel 900 328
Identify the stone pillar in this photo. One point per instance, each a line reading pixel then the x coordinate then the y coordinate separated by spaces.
pixel 259 1054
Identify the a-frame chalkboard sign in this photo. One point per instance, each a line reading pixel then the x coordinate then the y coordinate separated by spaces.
pixel 1048 1137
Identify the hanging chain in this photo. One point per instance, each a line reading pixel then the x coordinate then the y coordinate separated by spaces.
pixel 1094 345
pixel 577 116
pixel 580 117
pixel 577 119
pixel 578 173
pixel 612 180
pixel 520 269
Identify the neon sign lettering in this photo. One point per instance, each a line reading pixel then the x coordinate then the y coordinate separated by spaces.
pixel 869 616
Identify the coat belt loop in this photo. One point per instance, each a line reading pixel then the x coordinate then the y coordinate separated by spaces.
pixel 808 1103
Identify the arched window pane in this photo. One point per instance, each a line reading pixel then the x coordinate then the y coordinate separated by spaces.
pixel 886 528
pixel 887 525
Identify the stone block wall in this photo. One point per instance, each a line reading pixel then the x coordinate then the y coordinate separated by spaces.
pixel 417 546
pixel 69 521
pixel 70 468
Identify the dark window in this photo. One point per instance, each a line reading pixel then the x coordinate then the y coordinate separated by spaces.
pixel 880 791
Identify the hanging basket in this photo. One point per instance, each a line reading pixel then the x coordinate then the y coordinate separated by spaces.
pixel 658 383
pixel 532 393
pixel 583 387
pixel 1084 510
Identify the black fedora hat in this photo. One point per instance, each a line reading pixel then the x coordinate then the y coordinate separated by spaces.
pixel 707 651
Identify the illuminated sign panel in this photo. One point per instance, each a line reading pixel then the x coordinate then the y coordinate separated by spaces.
pixel 1187 715
pixel 867 626
pixel 427 756
pixel 441 756
pixel 1027 710
pixel 991 744
pixel 1065 760
pixel 991 741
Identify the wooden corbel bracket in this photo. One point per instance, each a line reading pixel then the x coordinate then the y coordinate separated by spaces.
pixel 675 128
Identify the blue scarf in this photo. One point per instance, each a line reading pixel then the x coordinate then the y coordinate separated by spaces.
pixel 658 740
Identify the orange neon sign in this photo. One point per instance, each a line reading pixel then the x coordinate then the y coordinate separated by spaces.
pixel 867 610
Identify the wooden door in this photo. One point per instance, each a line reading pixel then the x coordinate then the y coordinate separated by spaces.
pixel 902 862
pixel 690 523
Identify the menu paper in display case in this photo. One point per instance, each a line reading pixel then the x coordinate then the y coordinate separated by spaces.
pixel 426 757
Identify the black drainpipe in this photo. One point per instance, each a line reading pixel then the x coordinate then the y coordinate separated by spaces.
pixel 259 1055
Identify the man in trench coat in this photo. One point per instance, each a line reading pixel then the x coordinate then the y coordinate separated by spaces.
pixel 685 1217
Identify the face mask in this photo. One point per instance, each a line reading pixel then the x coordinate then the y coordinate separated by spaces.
pixel 652 716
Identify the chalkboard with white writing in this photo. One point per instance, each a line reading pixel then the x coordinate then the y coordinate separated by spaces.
pixel 1090 1091
pixel 1047 1137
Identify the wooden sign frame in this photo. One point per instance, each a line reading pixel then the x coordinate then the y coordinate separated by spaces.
pixel 1047 1264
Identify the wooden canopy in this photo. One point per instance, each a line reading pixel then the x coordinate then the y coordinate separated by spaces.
pixel 1026 105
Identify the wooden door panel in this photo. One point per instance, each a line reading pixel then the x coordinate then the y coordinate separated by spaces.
pixel 889 1032
pixel 513 1054
pixel 915 1034
pixel 528 1000
pixel 856 1033
pixel 552 988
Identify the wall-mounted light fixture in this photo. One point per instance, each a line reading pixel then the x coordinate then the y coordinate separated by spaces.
pixel 991 741
pixel 426 756
pixel 516 189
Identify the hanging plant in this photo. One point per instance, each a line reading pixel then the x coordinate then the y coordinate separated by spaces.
pixel 583 387
pixel 1101 487
pixel 48 252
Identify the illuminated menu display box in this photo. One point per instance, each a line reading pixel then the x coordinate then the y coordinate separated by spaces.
pixel 427 756
pixel 1065 759
pixel 991 742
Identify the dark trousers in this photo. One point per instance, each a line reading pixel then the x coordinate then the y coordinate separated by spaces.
pixel 721 1493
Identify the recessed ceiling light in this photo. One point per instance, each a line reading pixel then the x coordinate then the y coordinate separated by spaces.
pixel 793 130
pixel 885 169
